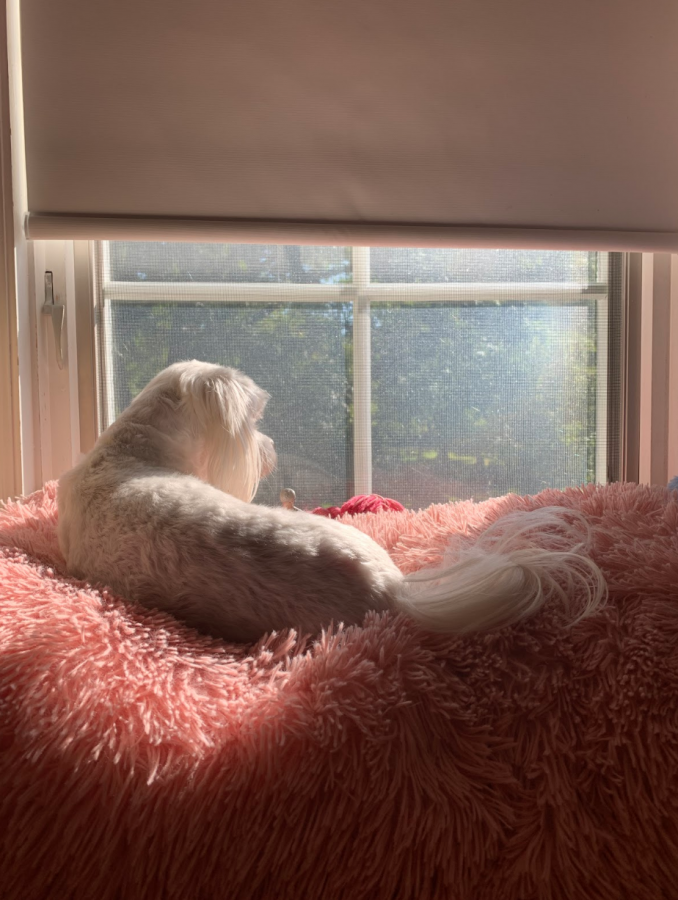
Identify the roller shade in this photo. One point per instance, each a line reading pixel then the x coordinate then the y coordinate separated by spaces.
pixel 431 122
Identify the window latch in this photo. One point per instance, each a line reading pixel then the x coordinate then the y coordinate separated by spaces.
pixel 58 313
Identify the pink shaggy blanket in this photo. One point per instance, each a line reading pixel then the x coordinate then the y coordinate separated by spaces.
pixel 139 760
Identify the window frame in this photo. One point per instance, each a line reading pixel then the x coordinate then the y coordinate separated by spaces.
pixel 361 292
pixel 44 398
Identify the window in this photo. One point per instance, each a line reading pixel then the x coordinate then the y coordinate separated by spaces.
pixel 426 375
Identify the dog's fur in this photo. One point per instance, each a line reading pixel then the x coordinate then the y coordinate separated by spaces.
pixel 160 511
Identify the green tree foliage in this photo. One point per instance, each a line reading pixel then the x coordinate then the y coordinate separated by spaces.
pixel 478 400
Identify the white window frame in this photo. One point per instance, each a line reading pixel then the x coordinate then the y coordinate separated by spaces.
pixel 46 398
pixel 361 293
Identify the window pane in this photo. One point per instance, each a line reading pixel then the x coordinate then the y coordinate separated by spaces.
pixel 299 352
pixel 436 266
pixel 510 386
pixel 477 400
pixel 234 263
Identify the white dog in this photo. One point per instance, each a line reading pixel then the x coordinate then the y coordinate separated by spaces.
pixel 160 511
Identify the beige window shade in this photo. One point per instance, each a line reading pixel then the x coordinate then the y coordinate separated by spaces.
pixel 439 122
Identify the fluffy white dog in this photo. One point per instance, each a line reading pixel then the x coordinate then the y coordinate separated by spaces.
pixel 160 511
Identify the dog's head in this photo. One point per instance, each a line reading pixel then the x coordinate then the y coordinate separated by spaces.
pixel 218 408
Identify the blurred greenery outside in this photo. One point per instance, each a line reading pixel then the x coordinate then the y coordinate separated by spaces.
pixel 469 399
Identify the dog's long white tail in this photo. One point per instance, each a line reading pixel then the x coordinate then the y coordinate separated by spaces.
pixel 516 565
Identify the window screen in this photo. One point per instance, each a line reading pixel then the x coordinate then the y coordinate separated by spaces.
pixel 479 372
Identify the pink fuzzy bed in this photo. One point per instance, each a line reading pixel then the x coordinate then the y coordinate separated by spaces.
pixel 138 760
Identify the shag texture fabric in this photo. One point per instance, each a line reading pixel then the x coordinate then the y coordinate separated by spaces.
pixel 139 760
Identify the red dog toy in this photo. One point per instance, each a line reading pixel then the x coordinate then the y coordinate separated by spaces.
pixel 362 503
